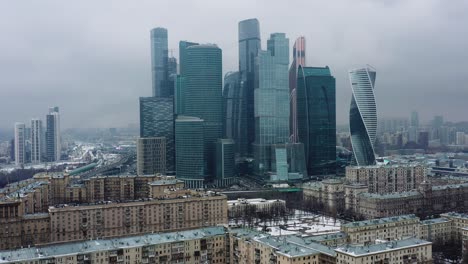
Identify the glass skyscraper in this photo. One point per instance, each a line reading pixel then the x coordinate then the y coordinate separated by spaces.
pixel 179 94
pixel 249 46
pixel 271 101
pixel 316 118
pixel 157 120
pixel 225 162
pixel 363 116
pixel 232 106
pixel 203 95
pixel 298 60
pixel 190 152
pixel 159 61
pixel 53 138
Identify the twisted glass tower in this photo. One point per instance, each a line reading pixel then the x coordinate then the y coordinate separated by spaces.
pixel 363 115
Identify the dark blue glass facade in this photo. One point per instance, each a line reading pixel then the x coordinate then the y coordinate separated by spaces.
pixel 232 106
pixel 159 60
pixel 157 120
pixel 190 159
pixel 203 95
pixel 316 114
pixel 249 46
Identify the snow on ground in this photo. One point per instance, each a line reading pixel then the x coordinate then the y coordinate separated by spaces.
pixel 302 223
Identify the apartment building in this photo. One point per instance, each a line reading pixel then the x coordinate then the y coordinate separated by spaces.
pixel 410 250
pixel 390 228
pixel 387 178
pixel 437 230
pixel 204 245
pixel 27 217
pixel 249 246
pixel 188 210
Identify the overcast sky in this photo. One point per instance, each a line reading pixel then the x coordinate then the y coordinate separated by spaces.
pixel 92 58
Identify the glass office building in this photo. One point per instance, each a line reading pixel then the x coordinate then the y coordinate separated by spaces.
pixel 249 46
pixel 298 60
pixel 316 115
pixel 159 61
pixel 363 115
pixel 232 106
pixel 203 95
pixel 190 157
pixel 157 120
pixel 179 94
pixel 225 162
pixel 271 101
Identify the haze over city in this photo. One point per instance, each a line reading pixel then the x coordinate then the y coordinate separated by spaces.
pixel 93 58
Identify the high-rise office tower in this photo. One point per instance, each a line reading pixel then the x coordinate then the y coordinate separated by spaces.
pixel 298 60
pixel 37 142
pixel 157 120
pixel 438 121
pixel 363 115
pixel 159 61
pixel 249 46
pixel 171 77
pixel 232 106
pixel 151 155
pixel 415 119
pixel 203 95
pixel 20 152
pixel 316 118
pixel 179 94
pixel 53 137
pixel 190 153
pixel 271 101
pixel 225 162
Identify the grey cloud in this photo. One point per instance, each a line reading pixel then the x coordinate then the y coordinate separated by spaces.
pixel 92 57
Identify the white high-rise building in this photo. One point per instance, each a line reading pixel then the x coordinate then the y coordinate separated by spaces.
pixel 20 136
pixel 36 140
pixel 53 146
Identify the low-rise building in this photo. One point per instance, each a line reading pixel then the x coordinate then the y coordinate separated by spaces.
pixel 205 245
pixel 249 246
pixel 390 228
pixel 437 230
pixel 410 250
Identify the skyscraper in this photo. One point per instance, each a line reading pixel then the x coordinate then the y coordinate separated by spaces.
pixel 271 101
pixel 179 94
pixel 316 118
pixel 151 155
pixel 232 106
pixel 157 120
pixel 363 115
pixel 203 95
pixel 298 60
pixel 190 153
pixel 415 119
pixel 249 46
pixel 53 137
pixel 225 162
pixel 36 140
pixel 20 152
pixel 159 61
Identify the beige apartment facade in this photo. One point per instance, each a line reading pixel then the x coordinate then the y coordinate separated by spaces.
pixel 390 228
pixel 204 245
pixel 387 178
pixel 411 251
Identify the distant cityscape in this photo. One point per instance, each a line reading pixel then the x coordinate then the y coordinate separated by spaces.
pixel 249 167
